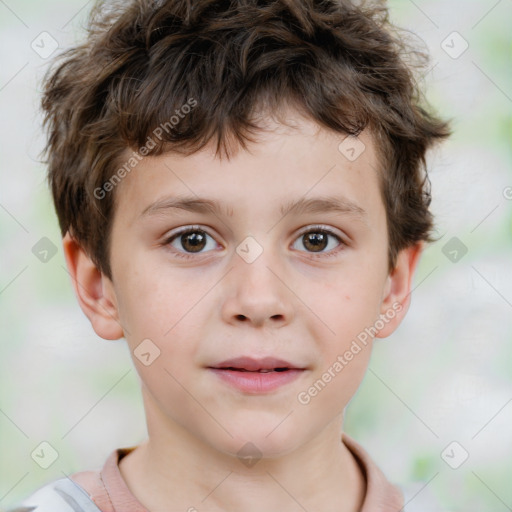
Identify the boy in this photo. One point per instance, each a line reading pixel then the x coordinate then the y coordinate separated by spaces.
pixel 285 142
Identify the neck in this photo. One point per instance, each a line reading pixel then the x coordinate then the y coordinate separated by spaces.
pixel 175 467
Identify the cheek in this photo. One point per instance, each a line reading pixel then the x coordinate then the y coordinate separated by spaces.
pixel 160 321
pixel 163 309
pixel 331 388
pixel 157 305
pixel 346 304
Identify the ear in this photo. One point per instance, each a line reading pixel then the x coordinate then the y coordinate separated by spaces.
pixel 94 291
pixel 397 291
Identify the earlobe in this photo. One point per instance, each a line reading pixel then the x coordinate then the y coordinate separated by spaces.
pixel 94 291
pixel 397 293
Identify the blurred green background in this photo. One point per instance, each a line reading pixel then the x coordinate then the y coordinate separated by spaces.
pixel 446 374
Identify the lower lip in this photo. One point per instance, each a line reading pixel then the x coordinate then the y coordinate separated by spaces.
pixel 257 382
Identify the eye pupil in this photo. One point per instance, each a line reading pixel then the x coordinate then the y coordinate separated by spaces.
pixel 195 240
pixel 317 240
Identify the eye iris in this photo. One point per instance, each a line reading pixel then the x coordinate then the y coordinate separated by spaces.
pixel 193 241
pixel 317 240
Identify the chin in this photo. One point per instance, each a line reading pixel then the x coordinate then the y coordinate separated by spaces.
pixel 261 437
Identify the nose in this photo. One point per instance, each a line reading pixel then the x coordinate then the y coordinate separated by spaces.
pixel 257 293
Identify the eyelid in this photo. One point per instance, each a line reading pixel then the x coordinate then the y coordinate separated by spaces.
pixel 185 229
pixel 320 227
pixel 342 236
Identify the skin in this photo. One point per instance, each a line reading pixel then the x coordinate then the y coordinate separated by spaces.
pixel 291 302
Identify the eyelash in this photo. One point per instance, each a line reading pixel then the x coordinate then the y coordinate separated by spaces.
pixel 313 229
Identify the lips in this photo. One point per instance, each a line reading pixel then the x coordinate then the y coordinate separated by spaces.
pixel 262 365
pixel 257 376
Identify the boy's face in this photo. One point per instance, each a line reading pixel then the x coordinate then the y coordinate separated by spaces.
pixel 256 286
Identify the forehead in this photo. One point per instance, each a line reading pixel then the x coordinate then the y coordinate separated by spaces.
pixel 287 164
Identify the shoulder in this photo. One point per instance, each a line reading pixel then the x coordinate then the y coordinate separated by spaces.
pixel 63 495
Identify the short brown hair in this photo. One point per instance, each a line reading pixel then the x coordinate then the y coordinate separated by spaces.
pixel 341 64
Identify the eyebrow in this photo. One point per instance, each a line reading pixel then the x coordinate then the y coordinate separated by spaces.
pixel 323 204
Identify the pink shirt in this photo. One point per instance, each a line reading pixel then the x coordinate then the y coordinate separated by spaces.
pixel 111 494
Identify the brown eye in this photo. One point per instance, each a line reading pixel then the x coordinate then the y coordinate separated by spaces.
pixel 190 241
pixel 315 242
pixel 318 240
pixel 193 241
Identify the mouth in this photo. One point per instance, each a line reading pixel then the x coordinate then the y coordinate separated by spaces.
pixel 262 370
pixel 257 376
pixel 261 365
